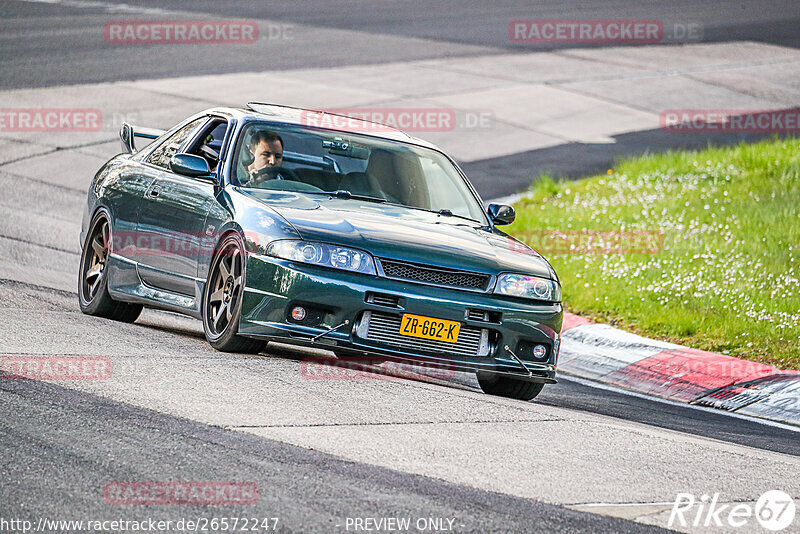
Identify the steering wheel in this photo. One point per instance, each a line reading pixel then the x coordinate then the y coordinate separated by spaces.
pixel 273 173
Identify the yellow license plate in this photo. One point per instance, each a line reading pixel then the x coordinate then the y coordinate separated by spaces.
pixel 429 328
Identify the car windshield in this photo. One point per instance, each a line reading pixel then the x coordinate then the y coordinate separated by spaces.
pixel 292 158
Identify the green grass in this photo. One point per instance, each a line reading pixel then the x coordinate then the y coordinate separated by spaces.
pixel 726 277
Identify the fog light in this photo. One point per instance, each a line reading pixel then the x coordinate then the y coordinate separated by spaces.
pixel 539 351
pixel 298 313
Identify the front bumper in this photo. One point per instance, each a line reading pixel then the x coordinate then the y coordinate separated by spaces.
pixel 275 286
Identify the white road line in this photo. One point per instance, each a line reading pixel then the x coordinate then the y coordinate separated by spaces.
pixel 624 504
pixel 105 6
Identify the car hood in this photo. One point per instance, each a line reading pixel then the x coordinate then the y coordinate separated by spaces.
pixel 400 233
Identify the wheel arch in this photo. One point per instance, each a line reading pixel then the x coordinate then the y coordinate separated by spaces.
pixel 98 208
pixel 229 227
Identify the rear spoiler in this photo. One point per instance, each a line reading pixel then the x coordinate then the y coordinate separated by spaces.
pixel 128 135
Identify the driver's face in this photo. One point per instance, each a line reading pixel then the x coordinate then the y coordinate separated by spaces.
pixel 267 154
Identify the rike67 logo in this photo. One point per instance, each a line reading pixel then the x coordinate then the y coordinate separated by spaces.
pixel 775 511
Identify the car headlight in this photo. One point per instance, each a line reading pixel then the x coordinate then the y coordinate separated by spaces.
pixel 529 287
pixel 323 254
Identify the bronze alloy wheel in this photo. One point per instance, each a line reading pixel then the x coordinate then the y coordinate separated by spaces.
pixel 226 287
pixel 94 263
pixel 222 299
pixel 93 295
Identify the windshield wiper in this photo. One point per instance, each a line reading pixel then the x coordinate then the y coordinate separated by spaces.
pixel 446 212
pixel 342 193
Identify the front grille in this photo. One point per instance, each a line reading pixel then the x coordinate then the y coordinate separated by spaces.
pixel 384 328
pixel 435 275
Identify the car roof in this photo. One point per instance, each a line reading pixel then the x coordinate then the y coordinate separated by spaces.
pixel 322 120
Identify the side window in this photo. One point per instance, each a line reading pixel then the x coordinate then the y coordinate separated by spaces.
pixel 208 143
pixel 161 155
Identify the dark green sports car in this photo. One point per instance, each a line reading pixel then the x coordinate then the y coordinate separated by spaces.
pixel 356 238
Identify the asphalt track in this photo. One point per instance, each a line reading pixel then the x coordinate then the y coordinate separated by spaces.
pixel 100 440
pixel 325 450
pixel 61 471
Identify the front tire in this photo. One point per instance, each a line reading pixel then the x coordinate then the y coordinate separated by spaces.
pixel 503 386
pixel 93 295
pixel 222 299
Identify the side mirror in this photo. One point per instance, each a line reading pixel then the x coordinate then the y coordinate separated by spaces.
pixel 501 214
pixel 190 165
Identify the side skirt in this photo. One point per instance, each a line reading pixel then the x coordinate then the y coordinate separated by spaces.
pixel 125 285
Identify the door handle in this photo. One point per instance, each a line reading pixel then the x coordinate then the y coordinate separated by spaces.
pixel 154 191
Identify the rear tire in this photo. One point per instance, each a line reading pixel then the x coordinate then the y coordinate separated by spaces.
pixel 93 295
pixel 222 299
pixel 513 388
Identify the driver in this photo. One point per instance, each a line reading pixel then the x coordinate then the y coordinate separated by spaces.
pixel 267 149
